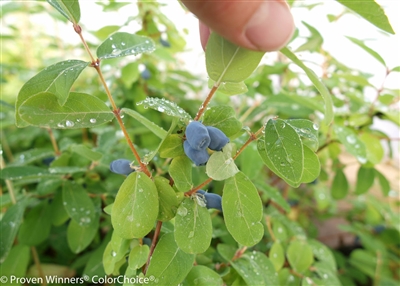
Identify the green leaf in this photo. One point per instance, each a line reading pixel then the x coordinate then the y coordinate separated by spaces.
pixel 223 118
pixel 242 210
pixel 374 147
pixel 285 150
pixel 114 252
pixel 138 256
pixel 79 236
pixel 167 199
pixel 277 255
pixel 36 226
pixel 221 166
pixel 314 42
pixel 367 49
pixel 79 111
pixel 58 213
pixel 365 180
pixel 193 229
pixel 56 79
pixel 26 173
pixel 32 155
pixel 256 269
pixel 172 146
pixel 307 130
pixel 85 152
pixel 16 263
pixel 300 255
pixel 323 253
pixel 317 83
pixel 203 276
pixel 165 106
pixel 121 44
pixel 157 130
pixel 370 11
pixel 68 8
pixel 274 194
pixel 77 203
pixel 135 209
pixel 9 225
pixel 329 276
pixel 385 186
pixel 396 69
pixel 180 170
pixel 340 185
pixel 230 88
pixel 352 143
pixel 169 264
pixel 227 62
pixel 312 167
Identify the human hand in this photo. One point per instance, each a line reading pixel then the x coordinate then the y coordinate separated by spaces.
pixel 256 25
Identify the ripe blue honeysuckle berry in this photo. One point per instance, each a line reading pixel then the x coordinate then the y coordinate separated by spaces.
pixel 213 201
pixel 218 138
pixel 121 166
pixel 199 157
pixel 197 135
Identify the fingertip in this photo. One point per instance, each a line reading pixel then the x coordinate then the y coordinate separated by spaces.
pixel 204 34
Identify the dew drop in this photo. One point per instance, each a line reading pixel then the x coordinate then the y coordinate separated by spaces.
pixel 182 211
pixel 140 190
pixel 92 120
pixel 362 159
pixel 113 253
pixel 113 46
pixel 122 43
pixel 315 126
pixel 69 123
pixel 61 125
pixel 351 139
pixel 116 52
pixel 161 109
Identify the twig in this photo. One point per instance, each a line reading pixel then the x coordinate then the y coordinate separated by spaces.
pixel 239 253
pixel 204 105
pixel 115 110
pixel 53 142
pixel 269 227
pixel 38 266
pixel 153 245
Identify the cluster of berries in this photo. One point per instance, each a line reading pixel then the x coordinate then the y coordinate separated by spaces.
pixel 199 138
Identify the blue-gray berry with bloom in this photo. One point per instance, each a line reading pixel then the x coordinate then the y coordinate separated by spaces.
pixel 197 135
pixel 218 138
pixel 213 201
pixel 198 157
pixel 121 166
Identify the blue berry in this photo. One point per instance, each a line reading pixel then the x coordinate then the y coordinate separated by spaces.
pixel 121 166
pixel 199 157
pixel 218 138
pixel 165 43
pixel 213 201
pixel 197 135
pixel 146 74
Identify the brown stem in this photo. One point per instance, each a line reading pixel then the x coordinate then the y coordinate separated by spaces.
pixel 115 110
pixel 239 253
pixel 206 102
pixel 153 245
pixel 195 189
pixel 53 142
pixel 269 227
pixel 38 266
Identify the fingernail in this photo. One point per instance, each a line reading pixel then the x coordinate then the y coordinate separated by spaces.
pixel 271 27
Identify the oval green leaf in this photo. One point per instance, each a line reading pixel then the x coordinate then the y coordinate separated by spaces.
pixel 351 142
pixel 79 111
pixel 307 130
pixel 165 106
pixel 138 256
pixel 77 203
pixel 300 255
pixel 180 170
pixel 169 259
pixel 227 62
pixel 68 8
pixel 223 118
pixel 16 263
pixel 172 146
pixel 193 229
pixel 242 210
pixel 167 199
pixel 365 180
pixel 340 185
pixel 135 209
pixel 80 236
pixel 277 255
pixel 312 167
pixel 203 276
pixel 56 79
pixel 221 166
pixel 285 150
pixel 9 225
pixel 122 44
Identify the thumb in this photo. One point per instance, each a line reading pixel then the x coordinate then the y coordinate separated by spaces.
pixel 255 25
